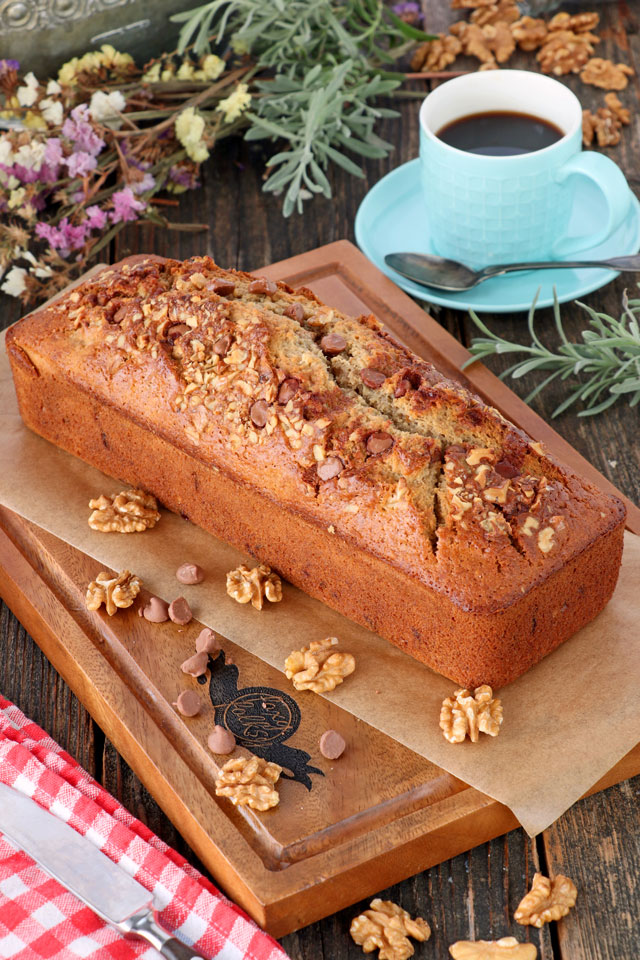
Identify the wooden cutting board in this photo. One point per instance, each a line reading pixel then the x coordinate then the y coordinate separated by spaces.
pixel 344 829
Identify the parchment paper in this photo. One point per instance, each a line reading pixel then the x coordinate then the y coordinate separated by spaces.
pixel 567 721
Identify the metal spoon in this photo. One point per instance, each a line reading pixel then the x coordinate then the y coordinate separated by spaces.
pixel 442 274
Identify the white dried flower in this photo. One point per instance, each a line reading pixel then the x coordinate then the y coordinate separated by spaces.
pixel 14 282
pixel 28 94
pixel 51 111
pixel 236 103
pixel 107 107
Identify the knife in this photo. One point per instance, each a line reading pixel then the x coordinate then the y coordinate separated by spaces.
pixel 87 872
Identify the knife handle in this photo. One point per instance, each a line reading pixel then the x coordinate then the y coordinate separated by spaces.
pixel 145 926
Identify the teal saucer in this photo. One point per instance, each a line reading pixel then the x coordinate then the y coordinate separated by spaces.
pixel 393 218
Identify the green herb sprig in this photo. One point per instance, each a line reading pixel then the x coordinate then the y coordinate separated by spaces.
pixel 322 66
pixel 606 362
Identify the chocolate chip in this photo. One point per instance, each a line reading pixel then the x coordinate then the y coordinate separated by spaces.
pixel 332 344
pixel 262 285
pixel 177 330
pixel 189 573
pixel 196 665
pixel 288 390
pixel 402 387
pixel 372 378
pixel 180 611
pixel 207 642
pixel 259 413
pixel 330 468
pixel 221 346
pixel 295 311
pixel 223 287
pixel 332 745
pixel 221 740
pixel 188 703
pixel 379 441
pixel 155 610
pixel 506 469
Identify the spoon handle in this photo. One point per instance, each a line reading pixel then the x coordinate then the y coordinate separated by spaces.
pixel 614 263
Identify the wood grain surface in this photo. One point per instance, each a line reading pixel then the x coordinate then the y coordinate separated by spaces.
pixel 596 842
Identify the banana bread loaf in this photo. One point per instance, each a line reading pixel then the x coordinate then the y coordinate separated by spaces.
pixel 317 443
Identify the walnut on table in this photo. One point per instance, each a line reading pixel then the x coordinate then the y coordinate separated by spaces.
pixel 578 22
pixel 473 40
pixel 470 714
pixel 547 900
pixel 529 33
pixel 470 4
pixel 385 926
pixel 115 592
pixel 130 511
pixel 254 585
pixel 507 948
pixel 565 52
pixel 505 11
pixel 606 74
pixel 319 667
pixel 435 55
pixel 621 113
pixel 249 782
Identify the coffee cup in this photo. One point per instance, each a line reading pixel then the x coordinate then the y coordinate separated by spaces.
pixel 507 209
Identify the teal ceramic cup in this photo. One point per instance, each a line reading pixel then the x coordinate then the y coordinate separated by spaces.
pixel 506 209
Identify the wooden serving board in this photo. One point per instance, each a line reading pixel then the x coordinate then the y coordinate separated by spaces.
pixel 376 816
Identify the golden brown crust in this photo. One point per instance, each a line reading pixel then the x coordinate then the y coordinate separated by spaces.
pixel 367 441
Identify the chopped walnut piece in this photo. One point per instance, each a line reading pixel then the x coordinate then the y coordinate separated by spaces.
pixel 578 22
pixel 529 33
pixel 505 11
pixel 249 782
pixel 499 40
pixel 470 714
pixel 507 948
pixel 254 585
pixel 565 52
pixel 115 592
pixel 319 667
pixel 436 54
pixel 473 40
pixel 603 125
pixel 547 900
pixel 470 4
pixel 385 926
pixel 606 74
pixel 130 511
pixel 621 113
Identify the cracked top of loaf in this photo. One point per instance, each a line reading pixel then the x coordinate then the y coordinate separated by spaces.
pixel 328 416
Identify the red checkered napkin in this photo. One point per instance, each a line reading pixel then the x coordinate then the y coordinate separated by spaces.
pixel 40 919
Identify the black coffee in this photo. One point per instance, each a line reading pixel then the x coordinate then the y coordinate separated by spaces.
pixel 500 133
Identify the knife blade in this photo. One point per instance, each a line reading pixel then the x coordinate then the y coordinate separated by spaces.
pixel 87 872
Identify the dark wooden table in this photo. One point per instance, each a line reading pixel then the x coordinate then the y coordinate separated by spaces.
pixel 597 842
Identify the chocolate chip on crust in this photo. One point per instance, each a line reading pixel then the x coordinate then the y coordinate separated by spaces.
pixel 372 378
pixel 288 390
pixel 295 311
pixel 330 468
pixel 223 287
pixel 221 346
pixel 259 413
pixel 379 441
pixel 262 285
pixel 332 344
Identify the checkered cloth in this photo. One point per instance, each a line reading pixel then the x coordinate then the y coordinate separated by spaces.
pixel 40 919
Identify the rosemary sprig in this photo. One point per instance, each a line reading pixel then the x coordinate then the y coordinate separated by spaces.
pixel 606 363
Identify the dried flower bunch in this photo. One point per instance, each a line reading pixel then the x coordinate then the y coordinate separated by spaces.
pixel 86 152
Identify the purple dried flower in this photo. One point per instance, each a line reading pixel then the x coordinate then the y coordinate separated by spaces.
pixel 96 218
pixel 184 176
pixel 125 206
pixel 6 65
pixel 80 131
pixel 64 238
pixel 408 11
pixel 80 163
pixel 147 182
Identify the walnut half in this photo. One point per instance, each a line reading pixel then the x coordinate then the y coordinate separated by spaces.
pixel 470 714
pixel 385 926
pixel 130 511
pixel 606 74
pixel 254 585
pixel 319 667
pixel 507 948
pixel 547 900
pixel 249 782
pixel 115 592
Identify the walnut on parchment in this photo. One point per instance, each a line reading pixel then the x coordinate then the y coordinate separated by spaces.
pixel 319 667
pixel 547 900
pixel 470 714
pixel 386 927
pixel 130 511
pixel 435 55
pixel 115 592
pixel 249 782
pixel 507 948
pixel 606 74
pixel 254 585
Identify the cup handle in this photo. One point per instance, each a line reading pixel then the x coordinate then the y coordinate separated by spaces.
pixel 609 178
